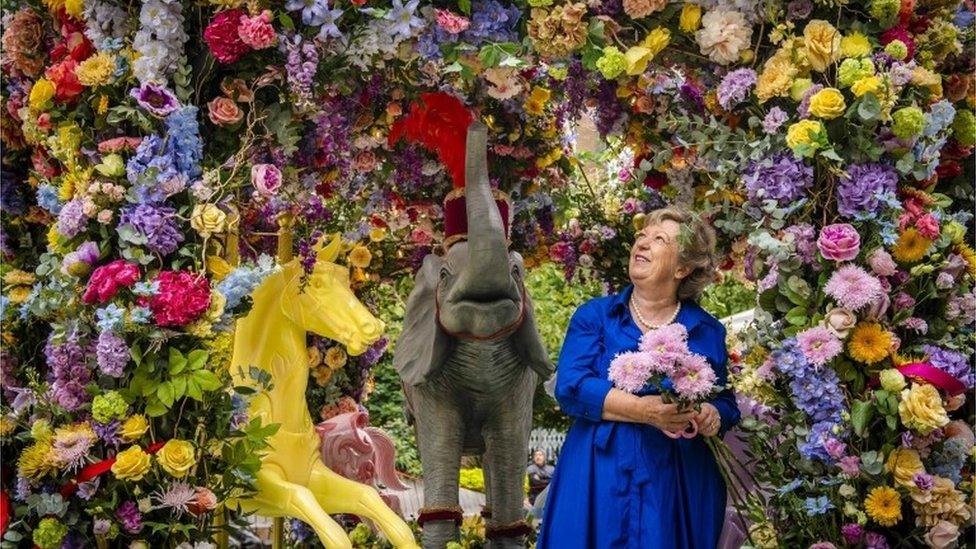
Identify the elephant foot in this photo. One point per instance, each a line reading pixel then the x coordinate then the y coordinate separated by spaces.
pixel 507 536
pixel 440 525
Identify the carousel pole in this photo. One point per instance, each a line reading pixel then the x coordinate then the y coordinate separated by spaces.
pixel 286 221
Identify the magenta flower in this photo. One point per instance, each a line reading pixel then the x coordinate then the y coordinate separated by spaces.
pixel 819 345
pixel 852 287
pixel 156 98
pixel 839 242
pixel 630 371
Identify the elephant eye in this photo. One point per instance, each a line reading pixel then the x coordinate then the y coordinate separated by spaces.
pixel 444 273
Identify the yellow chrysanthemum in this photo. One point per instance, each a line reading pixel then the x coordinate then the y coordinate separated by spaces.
pixel 883 505
pixel 537 100
pixel 967 253
pixel 855 44
pixel 97 70
pixel 911 246
pixel 19 294
pixel 37 460
pixel 18 277
pixel 776 78
pixel 869 343
pixel 360 257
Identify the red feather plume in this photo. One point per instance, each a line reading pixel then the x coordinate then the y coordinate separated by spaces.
pixel 439 122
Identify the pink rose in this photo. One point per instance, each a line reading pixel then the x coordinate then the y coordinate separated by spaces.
pixel 365 162
pixel 839 242
pixel 203 501
pixel 840 321
pixel 881 263
pixel 928 226
pixel 224 111
pixel 943 535
pixel 421 237
pixel 451 22
pixel 106 281
pixel 257 31
pixel 265 178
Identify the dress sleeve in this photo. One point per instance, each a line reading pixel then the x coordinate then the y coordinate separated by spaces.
pixel 724 401
pixel 580 390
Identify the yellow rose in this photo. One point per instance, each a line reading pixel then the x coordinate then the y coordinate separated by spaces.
pixel 802 133
pixel 360 257
pixel 690 18
pixel 41 94
pixel 207 219
pixel 903 463
pixel 176 457
pixel 314 356
pixel 639 56
pixel 335 358
pixel 218 267
pixel 134 427
pixel 868 84
pixel 377 234
pixel 855 45
pixel 827 103
pixel 822 43
pixel 921 408
pixel 131 464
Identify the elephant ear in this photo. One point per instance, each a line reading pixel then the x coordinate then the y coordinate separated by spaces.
pixel 528 342
pixel 422 345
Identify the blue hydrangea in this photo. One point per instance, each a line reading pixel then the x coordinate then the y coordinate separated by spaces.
pixel 4 303
pixel 950 459
pixel 492 21
pixel 938 118
pixel 242 281
pixel 110 317
pixel 47 198
pixel 817 506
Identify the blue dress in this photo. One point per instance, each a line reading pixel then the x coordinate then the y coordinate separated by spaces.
pixel 622 485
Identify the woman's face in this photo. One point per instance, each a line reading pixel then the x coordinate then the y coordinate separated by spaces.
pixel 654 255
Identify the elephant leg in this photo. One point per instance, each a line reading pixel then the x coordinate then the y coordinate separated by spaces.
pixel 486 469
pixel 293 500
pixel 337 494
pixel 440 429
pixel 505 455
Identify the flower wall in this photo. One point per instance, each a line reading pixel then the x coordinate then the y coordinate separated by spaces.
pixel 153 151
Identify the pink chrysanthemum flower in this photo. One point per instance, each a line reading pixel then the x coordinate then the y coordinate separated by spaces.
pixel 852 287
pixel 694 378
pixel 819 345
pixel 630 371
pixel 667 340
pixel 71 445
pixel 178 497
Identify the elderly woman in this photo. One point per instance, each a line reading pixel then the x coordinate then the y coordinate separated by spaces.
pixel 620 481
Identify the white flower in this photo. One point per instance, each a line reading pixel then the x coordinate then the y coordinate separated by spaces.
pixel 404 22
pixel 723 36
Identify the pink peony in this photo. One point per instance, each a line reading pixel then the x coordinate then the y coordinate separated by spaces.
pixel 222 36
pixel 451 22
pixel 852 287
pixel 881 263
pixel 693 378
pixel 819 345
pixel 630 371
pixel 182 298
pixel 107 279
pixel 928 226
pixel 265 178
pixel 839 242
pixel 257 31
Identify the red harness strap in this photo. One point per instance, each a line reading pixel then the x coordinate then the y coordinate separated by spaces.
pixel 428 514
pixel 98 469
pixel 515 529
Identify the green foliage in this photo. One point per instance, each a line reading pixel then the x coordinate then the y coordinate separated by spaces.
pixel 728 297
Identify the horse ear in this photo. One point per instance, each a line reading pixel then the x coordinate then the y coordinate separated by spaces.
pixel 422 345
pixel 328 252
pixel 526 340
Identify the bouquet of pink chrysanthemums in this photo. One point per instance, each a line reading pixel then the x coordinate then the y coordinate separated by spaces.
pixel 663 354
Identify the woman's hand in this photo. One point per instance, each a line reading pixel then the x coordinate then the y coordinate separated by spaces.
pixel 664 416
pixel 708 420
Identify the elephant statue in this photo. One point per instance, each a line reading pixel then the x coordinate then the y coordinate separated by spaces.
pixel 469 357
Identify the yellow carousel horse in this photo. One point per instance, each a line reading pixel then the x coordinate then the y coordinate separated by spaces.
pixel 293 481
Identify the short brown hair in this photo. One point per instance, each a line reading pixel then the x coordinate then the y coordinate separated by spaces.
pixel 696 249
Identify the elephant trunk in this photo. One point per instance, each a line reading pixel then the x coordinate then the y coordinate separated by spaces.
pixel 487 273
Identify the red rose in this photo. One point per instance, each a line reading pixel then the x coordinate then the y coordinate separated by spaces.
pixel 182 298
pixel 222 36
pixel 66 84
pixel 106 281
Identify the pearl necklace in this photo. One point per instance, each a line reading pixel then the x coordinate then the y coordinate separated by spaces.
pixel 648 325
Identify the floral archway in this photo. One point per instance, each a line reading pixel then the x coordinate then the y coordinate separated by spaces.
pixel 152 152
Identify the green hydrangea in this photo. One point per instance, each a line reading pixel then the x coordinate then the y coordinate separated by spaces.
pixel 540 3
pixel 41 430
pixel 109 406
pixel 907 122
pixel 49 533
pixel 558 73
pixel 897 49
pixel 885 11
pixel 964 127
pixel 852 70
pixel 612 63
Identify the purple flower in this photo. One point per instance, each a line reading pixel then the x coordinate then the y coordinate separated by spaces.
pixel 610 115
pixel 112 354
pixel 693 94
pixel 865 188
pixel 374 352
pixel 129 517
pixel 852 287
pixel 86 490
pixel 923 481
pixel 852 533
pixel 839 242
pixel 72 219
pixel 819 346
pixel 108 432
pixel 68 373
pixel 79 262
pixel 155 98
pixel 904 301
pixel 874 540
pixel 799 9
pixel 835 448
pixel 803 241
pixel 101 526
pixel 775 118
pixel 850 466
pixel 916 325
pixel 735 87
pixel 780 177
pixel 155 224
pixel 953 363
